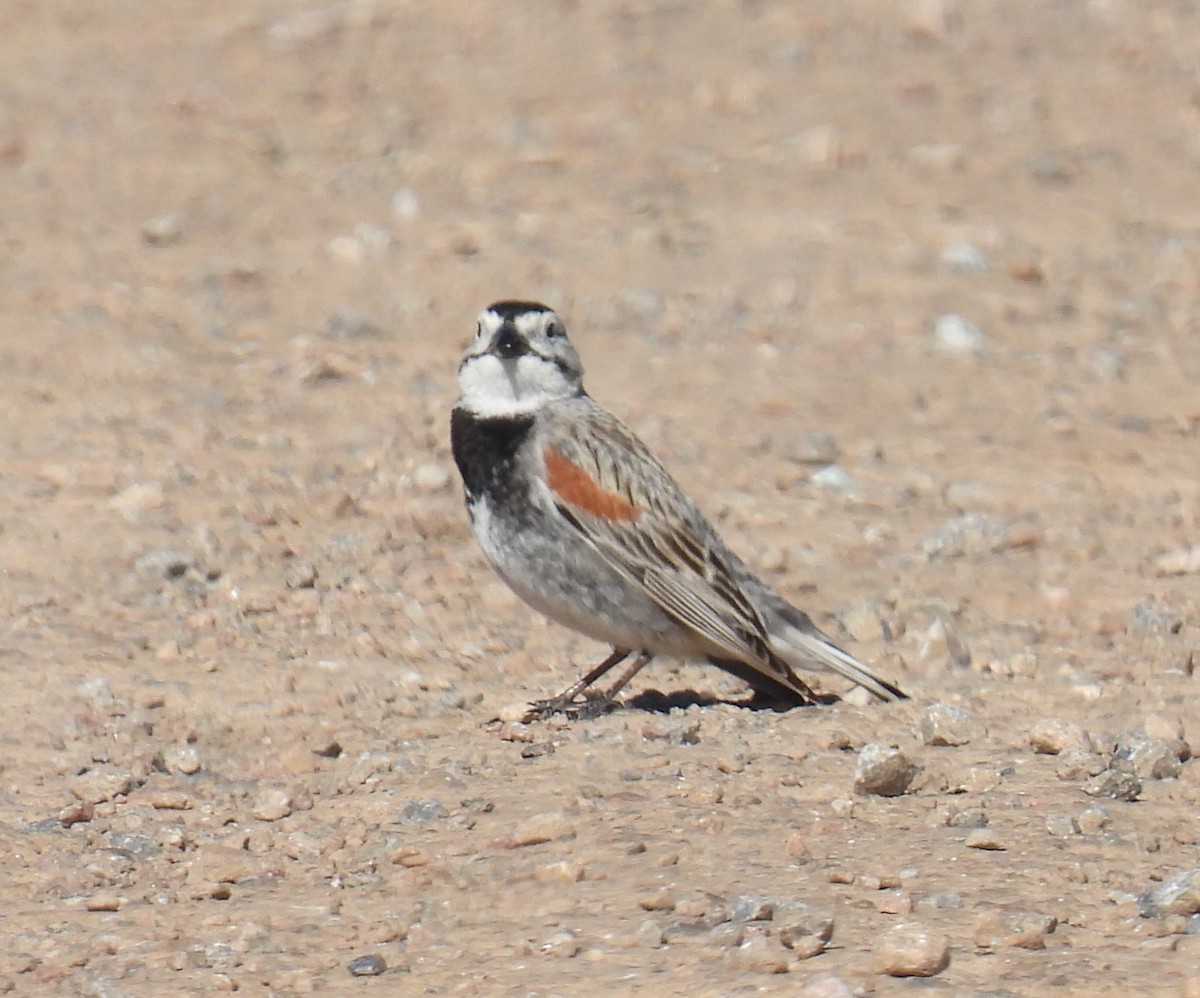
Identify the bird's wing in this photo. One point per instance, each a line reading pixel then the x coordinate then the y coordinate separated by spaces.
pixel 611 489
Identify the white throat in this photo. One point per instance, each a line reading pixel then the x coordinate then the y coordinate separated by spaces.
pixel 490 386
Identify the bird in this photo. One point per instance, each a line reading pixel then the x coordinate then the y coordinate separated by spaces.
pixel 588 528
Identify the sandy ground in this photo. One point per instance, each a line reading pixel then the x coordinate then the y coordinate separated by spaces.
pixel 250 651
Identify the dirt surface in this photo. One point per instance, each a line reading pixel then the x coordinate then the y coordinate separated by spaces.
pixel 250 651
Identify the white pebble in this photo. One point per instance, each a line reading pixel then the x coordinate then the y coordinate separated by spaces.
pixel 954 334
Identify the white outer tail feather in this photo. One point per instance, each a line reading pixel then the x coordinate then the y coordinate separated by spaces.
pixel 806 650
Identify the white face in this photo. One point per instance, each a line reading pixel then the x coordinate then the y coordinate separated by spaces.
pixel 519 360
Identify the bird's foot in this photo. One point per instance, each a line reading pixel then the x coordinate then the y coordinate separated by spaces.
pixel 573 708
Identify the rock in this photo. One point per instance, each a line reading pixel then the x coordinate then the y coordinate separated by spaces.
pixel 1151 617
pixel 817 448
pixel 1169 729
pixel 1115 784
pixel 942 724
pixel 1093 820
pixel 370 965
pixel 726 935
pixel 78 813
pixel 825 986
pixel 183 759
pixel 942 644
pixel 910 949
pixel 835 478
pixel 1022 930
pixel 964 258
pixel 954 334
pixel 563 943
pixel 300 575
pixel 803 929
pixel 406 204
pixel 163 230
pixel 1181 561
pixel 272 803
pixel 680 731
pixel 650 934
pixel 166 563
pixel 985 838
pixel 346 323
pixel 421 812
pixel 540 828
pixel 967 817
pixel 103 902
pixel 1178 896
pixel 883 770
pixel 980 534
pixel 752 909
pixel 760 955
pixel 1061 826
pixel 661 900
pixel 1052 735
pixel 101 784
pixel 429 478
pixel 1146 757
pixel 1076 764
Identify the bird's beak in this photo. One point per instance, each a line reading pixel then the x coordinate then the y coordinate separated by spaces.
pixel 508 344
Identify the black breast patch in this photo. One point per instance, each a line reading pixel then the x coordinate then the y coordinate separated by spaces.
pixel 485 451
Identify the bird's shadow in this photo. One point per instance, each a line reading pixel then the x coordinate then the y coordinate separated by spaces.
pixel 656 702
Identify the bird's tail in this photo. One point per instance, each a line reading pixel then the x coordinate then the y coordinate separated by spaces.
pixel 796 640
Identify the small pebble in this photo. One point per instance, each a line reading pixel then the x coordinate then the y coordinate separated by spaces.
pixel 430 478
pixel 883 770
pixel 1147 757
pixel 1178 896
pixel 835 478
pixel 1093 820
pixel 967 817
pixel 371 965
pixel 1076 764
pixel 183 759
pixel 650 934
pixel 300 575
pixel 760 955
pixel 1052 735
pixel 163 230
pixel 943 724
pixel 956 335
pixel 911 950
pixel 752 909
pixel 563 943
pixel 1061 825
pixel 1115 784
pixel 661 900
pixel 78 813
pixel 272 803
pixel 816 448
pixel 802 928
pixel 825 986
pixel 1022 930
pixel 542 828
pixel 984 838
pixel 421 812
pixel 964 258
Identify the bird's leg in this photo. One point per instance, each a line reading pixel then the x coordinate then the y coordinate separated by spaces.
pixel 562 703
pixel 596 707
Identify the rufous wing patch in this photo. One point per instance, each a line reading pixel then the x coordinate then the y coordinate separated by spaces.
pixel 573 485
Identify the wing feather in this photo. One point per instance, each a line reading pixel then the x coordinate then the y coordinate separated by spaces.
pixel 667 547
